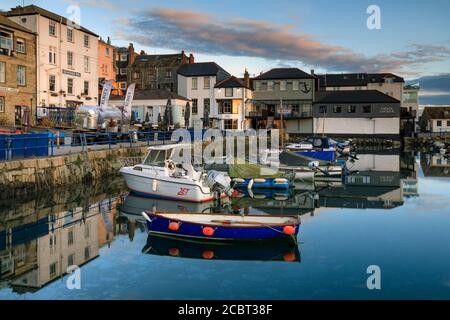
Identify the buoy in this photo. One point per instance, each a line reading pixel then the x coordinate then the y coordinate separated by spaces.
pixel 174 226
pixel 289 230
pixel 289 257
pixel 208 254
pixel 208 231
pixel 174 252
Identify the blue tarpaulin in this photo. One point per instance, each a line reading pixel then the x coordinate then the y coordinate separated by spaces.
pixel 28 145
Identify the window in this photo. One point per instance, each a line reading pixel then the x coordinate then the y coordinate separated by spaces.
pixel 194 106
pixel 69 34
pixel 69 59
pixel 86 88
pixel 168 73
pixel 194 83
pixel 53 270
pixel 227 107
pixel 230 124
pixel 323 109
pixel 107 52
pixel 52 28
pixel 123 57
pixel 70 237
pixel 295 85
pixel 86 41
pixel 367 109
pixel 228 92
pixel 87 253
pixel 70 260
pixel 123 85
pixel 2 71
pixel 2 104
pixel 448 123
pixel 21 71
pixel 52 55
pixel 6 42
pixel 87 230
pixel 351 109
pixel 206 83
pixel 123 71
pixel 270 85
pixel 257 86
pixel 282 85
pixel 337 109
pixel 207 106
pixel 52 83
pixel 70 86
pixel 20 46
pixel 439 123
pixel 87 64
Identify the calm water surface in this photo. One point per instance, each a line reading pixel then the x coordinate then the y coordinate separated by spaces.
pixel 395 213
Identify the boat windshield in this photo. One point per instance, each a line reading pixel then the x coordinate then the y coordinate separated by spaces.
pixel 156 158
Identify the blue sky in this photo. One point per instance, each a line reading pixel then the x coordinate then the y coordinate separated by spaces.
pixel 325 35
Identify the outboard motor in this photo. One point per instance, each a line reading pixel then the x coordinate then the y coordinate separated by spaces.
pixel 219 182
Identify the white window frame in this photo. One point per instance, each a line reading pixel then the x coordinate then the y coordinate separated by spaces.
pixel 70 86
pixel 52 28
pixel 194 80
pixel 206 82
pixel 52 55
pixel 283 85
pixel 21 48
pixel 50 78
pixel 107 51
pixel 70 59
pixel 87 41
pixel 86 93
pixel 21 75
pixel 123 57
pixel 270 86
pixel 295 85
pixel 70 34
pixel 2 72
pixel 229 92
pixel 123 71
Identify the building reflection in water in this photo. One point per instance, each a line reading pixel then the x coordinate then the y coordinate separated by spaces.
pixel 40 238
pixel 435 165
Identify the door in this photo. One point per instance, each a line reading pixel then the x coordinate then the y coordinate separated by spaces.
pixel 18 115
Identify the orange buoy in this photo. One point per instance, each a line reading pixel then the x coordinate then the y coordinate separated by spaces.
pixel 174 226
pixel 174 252
pixel 289 257
pixel 289 230
pixel 208 231
pixel 208 254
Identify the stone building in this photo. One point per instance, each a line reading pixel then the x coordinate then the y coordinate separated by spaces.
pixel 17 74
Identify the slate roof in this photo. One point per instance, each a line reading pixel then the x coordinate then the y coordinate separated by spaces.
pixel 437 112
pixel 354 96
pixel 284 73
pixel 230 82
pixel 33 9
pixel 4 21
pixel 355 79
pixel 201 69
pixel 152 95
pixel 159 60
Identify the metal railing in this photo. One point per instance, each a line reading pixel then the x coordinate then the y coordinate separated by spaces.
pixel 15 147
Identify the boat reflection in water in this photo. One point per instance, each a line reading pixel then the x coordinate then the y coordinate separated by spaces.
pixel 284 251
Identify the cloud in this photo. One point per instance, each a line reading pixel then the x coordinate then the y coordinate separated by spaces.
pixel 203 33
pixel 101 4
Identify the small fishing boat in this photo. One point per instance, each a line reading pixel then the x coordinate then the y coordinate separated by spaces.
pixel 222 227
pixel 282 251
pixel 318 148
pixel 161 176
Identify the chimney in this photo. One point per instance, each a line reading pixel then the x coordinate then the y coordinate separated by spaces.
pixel 131 55
pixel 312 72
pixel 246 78
pixel 108 41
pixel 191 58
pixel 183 57
pixel 142 53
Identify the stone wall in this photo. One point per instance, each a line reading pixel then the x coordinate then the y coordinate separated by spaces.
pixel 39 174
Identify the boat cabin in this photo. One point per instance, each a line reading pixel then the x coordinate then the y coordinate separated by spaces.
pixel 158 155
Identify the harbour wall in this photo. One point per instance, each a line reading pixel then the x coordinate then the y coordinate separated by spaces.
pixel 39 174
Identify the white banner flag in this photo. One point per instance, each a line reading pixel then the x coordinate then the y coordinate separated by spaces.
pixel 129 100
pixel 107 87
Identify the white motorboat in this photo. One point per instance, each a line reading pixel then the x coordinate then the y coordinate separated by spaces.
pixel 161 176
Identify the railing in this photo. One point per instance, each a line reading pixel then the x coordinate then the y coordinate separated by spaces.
pixel 13 147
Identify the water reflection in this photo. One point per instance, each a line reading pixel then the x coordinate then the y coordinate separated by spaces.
pixel 41 236
pixel 435 165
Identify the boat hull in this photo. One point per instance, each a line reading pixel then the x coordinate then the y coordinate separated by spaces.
pixel 160 226
pixel 144 185
pixel 266 184
pixel 319 155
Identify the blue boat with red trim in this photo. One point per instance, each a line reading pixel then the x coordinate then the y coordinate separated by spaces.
pixel 222 227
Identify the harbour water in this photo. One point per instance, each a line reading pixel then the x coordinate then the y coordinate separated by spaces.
pixel 395 214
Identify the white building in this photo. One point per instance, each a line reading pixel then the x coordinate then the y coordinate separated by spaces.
pixel 233 97
pixel 196 82
pixel 151 105
pixel 66 58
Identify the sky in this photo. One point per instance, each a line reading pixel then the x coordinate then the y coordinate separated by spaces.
pixel 324 35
